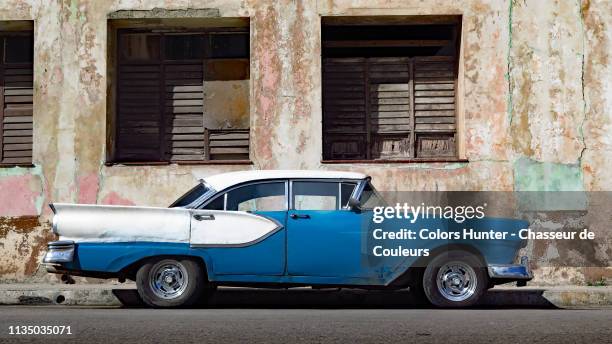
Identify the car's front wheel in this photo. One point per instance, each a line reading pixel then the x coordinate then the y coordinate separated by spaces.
pixel 455 279
pixel 170 282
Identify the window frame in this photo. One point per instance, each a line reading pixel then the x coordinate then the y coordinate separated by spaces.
pixel 224 193
pixel 415 135
pixel 289 190
pixel 113 141
pixel 325 180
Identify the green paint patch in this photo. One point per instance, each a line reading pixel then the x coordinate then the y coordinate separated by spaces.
pixel 20 171
pixel 549 186
pixel 531 175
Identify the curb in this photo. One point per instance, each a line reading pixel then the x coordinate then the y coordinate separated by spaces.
pixel 125 295
pixel 550 297
pixel 580 298
pixel 60 294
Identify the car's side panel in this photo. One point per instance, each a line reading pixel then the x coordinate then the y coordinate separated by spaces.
pixel 115 256
pixel 326 243
pixel 264 257
pixel 495 251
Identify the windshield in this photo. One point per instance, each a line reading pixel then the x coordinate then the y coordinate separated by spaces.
pixel 188 199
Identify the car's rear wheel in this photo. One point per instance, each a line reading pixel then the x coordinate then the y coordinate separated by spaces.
pixel 455 279
pixel 170 282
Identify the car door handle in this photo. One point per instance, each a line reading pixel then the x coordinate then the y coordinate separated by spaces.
pixel 298 216
pixel 200 217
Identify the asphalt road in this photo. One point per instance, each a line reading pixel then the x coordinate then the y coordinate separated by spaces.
pixel 104 325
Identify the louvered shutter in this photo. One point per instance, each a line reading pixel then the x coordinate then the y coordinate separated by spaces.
pixel 434 102
pixel 389 108
pixel 16 91
pixel 184 111
pixel 344 107
pixel 228 144
pixel 139 116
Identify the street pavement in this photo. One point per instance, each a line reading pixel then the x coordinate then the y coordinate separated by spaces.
pixel 308 325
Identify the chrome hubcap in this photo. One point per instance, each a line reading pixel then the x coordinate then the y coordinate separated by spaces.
pixel 456 281
pixel 168 280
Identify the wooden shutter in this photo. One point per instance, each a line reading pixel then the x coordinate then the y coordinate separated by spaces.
pixel 228 144
pixel 434 102
pixel 389 108
pixel 160 112
pixel 139 115
pixel 185 111
pixel 345 129
pixel 16 91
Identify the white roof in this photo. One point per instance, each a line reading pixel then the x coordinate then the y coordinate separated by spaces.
pixel 225 180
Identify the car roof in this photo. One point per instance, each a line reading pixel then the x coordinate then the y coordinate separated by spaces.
pixel 224 180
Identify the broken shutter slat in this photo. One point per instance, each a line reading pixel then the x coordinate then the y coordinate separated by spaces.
pixel 229 144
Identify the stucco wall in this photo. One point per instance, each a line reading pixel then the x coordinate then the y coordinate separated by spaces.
pixel 536 93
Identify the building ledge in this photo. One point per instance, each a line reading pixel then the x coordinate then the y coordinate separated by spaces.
pixel 397 161
pixel 186 162
pixel 7 165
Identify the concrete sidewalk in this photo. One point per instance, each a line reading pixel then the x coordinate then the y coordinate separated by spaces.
pixel 115 295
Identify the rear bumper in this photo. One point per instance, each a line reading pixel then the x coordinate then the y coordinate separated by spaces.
pixel 59 252
pixel 512 272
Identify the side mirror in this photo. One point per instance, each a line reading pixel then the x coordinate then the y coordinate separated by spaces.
pixel 354 204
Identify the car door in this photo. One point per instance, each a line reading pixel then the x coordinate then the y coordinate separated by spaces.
pixel 262 249
pixel 323 238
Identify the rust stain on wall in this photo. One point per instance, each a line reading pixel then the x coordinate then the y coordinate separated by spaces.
pixel 37 247
pixel 22 224
pixel 29 238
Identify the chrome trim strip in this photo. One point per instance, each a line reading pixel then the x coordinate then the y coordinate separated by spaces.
pixel 54 222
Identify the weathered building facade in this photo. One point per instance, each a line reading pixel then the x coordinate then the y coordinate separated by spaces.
pixel 132 101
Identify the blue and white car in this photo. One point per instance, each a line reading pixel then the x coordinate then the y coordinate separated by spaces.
pixel 269 229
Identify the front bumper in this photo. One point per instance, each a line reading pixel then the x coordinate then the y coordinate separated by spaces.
pixel 59 252
pixel 514 272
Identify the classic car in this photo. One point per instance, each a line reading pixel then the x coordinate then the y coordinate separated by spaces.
pixel 274 229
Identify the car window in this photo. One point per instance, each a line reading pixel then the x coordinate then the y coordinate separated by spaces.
pixel 258 197
pixel 315 195
pixel 216 204
pixel 346 190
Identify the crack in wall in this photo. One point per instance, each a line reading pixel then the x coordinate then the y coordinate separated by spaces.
pixel 584 104
pixel 100 178
pixel 509 62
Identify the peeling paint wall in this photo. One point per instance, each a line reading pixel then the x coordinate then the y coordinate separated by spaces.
pixel 535 94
